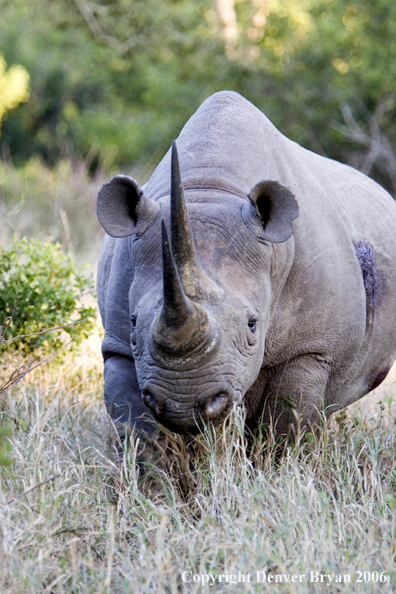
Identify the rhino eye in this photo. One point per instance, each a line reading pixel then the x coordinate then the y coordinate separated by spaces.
pixel 252 323
pixel 133 320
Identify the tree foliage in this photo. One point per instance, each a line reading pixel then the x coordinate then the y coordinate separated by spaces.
pixel 14 86
pixel 124 75
pixel 87 93
pixel 325 56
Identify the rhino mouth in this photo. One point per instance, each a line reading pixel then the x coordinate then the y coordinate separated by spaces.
pixel 184 416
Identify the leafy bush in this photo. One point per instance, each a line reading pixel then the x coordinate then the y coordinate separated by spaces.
pixel 40 288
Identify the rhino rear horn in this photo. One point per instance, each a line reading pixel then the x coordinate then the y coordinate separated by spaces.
pixel 123 209
pixel 196 283
pixel 182 240
pixel 275 208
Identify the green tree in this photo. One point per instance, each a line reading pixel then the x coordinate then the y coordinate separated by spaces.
pixel 327 69
pixel 14 86
pixel 124 75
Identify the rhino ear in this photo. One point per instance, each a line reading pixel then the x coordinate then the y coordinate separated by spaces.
pixel 123 209
pixel 276 208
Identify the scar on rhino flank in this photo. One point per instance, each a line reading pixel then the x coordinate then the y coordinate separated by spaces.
pixel 366 259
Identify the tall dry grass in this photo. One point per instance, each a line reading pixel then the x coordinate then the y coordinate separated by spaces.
pixel 55 204
pixel 76 518
pixel 73 519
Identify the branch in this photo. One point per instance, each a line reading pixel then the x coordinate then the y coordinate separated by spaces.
pixel 227 17
pixel 43 331
pixel 93 24
pixel 51 478
pixel 21 374
pixel 377 145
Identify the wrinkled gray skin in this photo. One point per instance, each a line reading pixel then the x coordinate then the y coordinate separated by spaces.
pixel 288 302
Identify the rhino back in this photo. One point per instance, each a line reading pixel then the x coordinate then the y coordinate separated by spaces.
pixel 222 147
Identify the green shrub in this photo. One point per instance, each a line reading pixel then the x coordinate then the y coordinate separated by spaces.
pixel 40 288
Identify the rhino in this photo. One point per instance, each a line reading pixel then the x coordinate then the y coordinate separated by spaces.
pixel 248 272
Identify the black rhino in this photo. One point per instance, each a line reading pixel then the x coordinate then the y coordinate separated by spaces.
pixel 247 270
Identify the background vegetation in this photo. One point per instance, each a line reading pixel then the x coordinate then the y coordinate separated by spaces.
pixel 115 80
pixel 89 88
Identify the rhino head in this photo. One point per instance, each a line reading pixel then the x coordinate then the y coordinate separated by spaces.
pixel 205 280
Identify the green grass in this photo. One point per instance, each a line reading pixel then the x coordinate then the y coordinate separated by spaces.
pixel 94 526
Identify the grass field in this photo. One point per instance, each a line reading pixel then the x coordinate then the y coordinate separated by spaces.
pixel 74 520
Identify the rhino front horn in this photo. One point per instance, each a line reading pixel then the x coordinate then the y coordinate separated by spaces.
pixel 181 326
pixel 177 308
pixel 196 283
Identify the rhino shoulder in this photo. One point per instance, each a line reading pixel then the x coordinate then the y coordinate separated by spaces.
pixel 115 275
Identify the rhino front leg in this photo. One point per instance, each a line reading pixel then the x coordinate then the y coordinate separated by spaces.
pixel 294 395
pixel 123 397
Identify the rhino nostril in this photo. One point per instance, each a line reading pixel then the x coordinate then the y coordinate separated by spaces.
pixel 151 403
pixel 217 404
